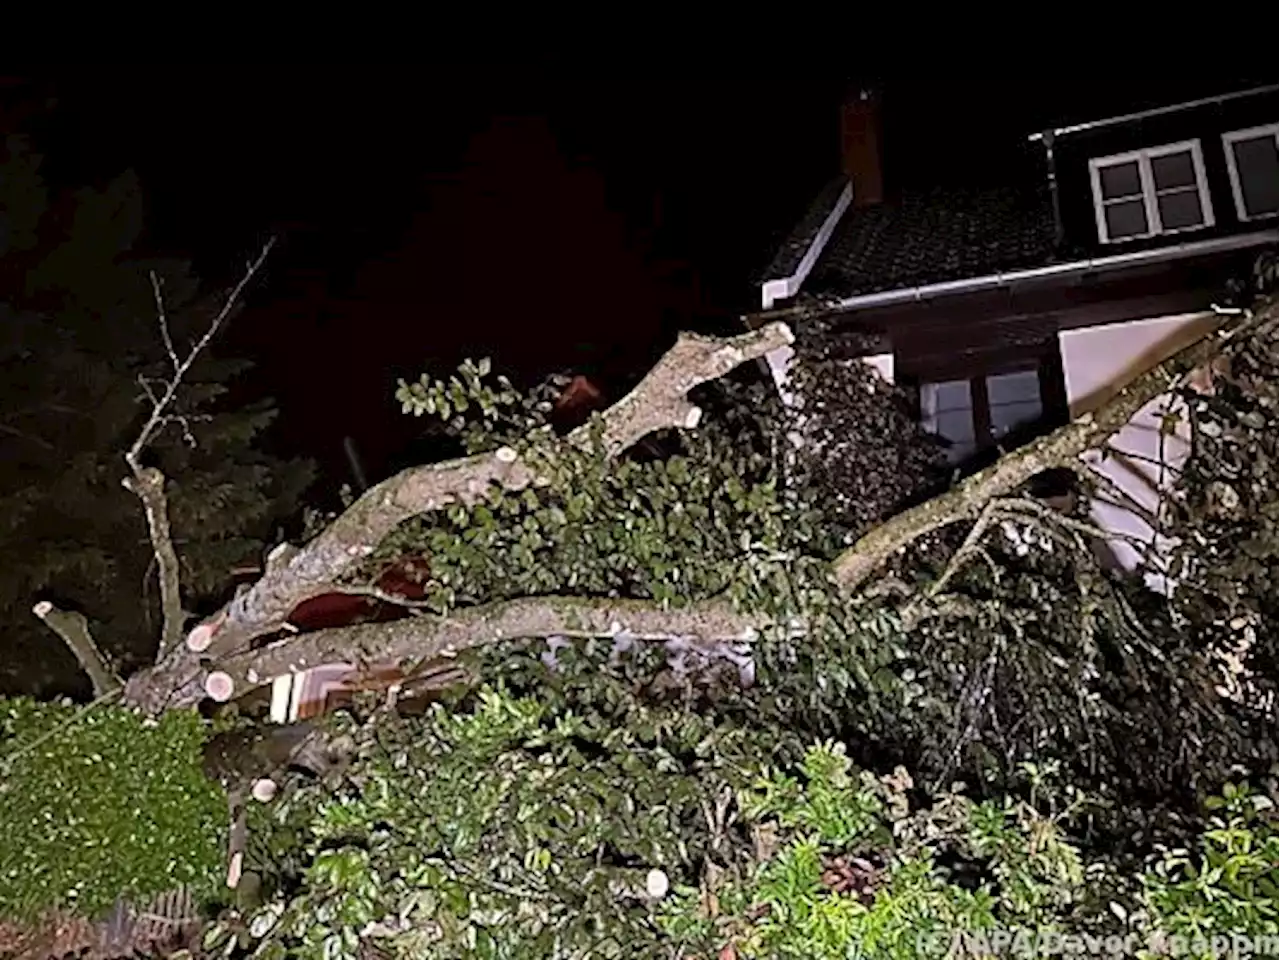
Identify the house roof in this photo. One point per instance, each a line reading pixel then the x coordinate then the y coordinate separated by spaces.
pixel 935 236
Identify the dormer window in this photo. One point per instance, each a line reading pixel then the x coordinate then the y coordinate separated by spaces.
pixel 1251 162
pixel 1149 192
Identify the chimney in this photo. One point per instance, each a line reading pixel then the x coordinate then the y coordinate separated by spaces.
pixel 860 145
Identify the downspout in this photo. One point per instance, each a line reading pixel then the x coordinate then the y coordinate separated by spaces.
pixel 1052 168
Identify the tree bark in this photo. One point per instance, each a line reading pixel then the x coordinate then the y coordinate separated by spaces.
pixel 147 484
pixel 659 401
pixel 709 624
pixel 73 628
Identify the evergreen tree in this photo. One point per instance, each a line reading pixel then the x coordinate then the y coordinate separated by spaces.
pixel 80 343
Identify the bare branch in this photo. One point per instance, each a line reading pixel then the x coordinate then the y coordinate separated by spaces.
pixel 32 438
pixel 163 316
pixel 160 408
pixel 147 483
pixel 710 623
pixel 1112 494
pixel 971 543
pixel 659 401
pixel 1060 448
pixel 73 628
pixel 1015 505
pixel 237 835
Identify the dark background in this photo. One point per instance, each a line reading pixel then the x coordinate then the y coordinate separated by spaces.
pixel 552 216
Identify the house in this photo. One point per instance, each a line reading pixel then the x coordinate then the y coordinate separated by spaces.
pixel 1008 311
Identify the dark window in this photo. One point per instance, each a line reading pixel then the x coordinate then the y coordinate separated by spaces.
pixel 1013 400
pixel 1252 163
pixel 977 397
pixel 975 413
pixel 946 409
pixel 1158 190
pixel 1122 200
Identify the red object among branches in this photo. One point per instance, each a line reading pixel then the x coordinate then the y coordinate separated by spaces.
pixel 577 402
pixel 406 579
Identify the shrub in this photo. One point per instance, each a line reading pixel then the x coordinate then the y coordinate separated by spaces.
pixel 100 803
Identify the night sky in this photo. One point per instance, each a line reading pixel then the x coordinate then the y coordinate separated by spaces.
pixel 550 216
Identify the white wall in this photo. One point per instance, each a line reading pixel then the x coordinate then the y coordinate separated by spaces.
pixel 883 363
pixel 1142 459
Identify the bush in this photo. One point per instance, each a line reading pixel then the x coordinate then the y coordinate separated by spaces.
pixel 522 828
pixel 100 803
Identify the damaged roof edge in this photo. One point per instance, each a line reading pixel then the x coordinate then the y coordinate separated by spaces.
pixel 808 242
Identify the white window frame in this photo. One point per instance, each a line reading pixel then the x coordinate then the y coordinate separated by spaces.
pixel 1237 193
pixel 1144 158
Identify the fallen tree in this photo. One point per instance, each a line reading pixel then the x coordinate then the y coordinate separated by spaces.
pixel 973 635
pixel 220 658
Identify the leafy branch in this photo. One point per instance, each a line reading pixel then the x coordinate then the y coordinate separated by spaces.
pixel 295 574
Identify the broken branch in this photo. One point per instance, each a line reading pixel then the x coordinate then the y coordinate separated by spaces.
pixel 147 483
pixel 160 415
pixel 711 623
pixel 659 401
pixel 73 628
pixel 1061 448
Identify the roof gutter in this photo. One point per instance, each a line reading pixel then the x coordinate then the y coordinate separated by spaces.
pixel 995 281
pixel 1155 112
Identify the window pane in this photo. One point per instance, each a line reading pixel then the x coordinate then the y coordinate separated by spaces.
pixel 1256 167
pixel 1019 387
pixel 952 395
pixel 956 427
pixel 1178 210
pixel 1173 170
pixel 1125 219
pixel 1120 180
pixel 1006 416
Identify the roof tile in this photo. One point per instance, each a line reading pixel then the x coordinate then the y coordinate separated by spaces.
pixel 934 236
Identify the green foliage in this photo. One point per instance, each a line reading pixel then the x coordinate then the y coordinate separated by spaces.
pixel 79 330
pixel 852 872
pixel 676 529
pixel 518 828
pixel 1053 680
pixel 1046 657
pixel 862 455
pixel 497 412
pixel 913 881
pixel 524 828
pixel 1229 885
pixel 101 803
